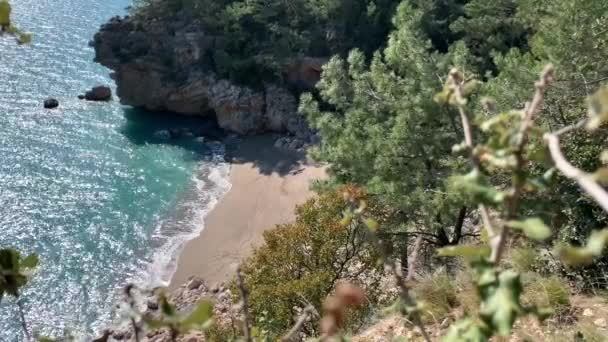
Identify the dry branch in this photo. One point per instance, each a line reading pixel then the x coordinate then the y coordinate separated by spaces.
pixel 584 179
pixel 302 319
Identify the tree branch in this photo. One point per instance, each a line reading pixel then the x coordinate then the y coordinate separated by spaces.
pixel 458 226
pixel 302 319
pixel 23 321
pixel 583 179
pixel 547 77
pixel 468 139
pixel 411 264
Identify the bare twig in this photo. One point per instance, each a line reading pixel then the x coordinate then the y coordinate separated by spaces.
pixel 546 78
pixel 411 265
pixel 498 237
pixel 23 321
pixel 570 128
pixel 302 319
pixel 468 139
pixel 245 306
pixel 584 179
pixel 407 299
pixel 400 281
pixel 498 242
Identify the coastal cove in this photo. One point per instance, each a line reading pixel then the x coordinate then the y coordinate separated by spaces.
pixel 87 186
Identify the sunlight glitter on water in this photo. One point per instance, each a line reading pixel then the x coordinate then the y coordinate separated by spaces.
pixel 85 186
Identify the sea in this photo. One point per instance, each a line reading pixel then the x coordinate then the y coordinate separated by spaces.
pixel 89 187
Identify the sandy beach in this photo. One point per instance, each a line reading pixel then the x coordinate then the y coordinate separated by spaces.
pixel 267 184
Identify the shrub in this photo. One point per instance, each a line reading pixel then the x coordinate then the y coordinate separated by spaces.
pixel 523 259
pixel 550 292
pixel 304 260
pixel 438 296
pixel 467 295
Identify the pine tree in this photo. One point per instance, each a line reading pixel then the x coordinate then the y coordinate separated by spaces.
pixel 380 120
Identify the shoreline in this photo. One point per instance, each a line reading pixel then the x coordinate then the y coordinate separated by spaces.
pixel 266 185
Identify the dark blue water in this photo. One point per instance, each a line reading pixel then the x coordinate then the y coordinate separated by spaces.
pixel 86 186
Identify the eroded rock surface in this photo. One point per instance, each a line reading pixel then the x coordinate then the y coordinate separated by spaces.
pixel 163 64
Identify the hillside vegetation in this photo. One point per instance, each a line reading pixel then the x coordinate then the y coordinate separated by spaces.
pixel 467 157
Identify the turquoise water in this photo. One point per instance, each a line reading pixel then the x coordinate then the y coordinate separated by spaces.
pixel 86 186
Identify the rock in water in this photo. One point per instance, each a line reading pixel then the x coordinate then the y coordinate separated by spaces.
pixel 81 97
pixel 51 103
pixel 162 134
pixel 99 93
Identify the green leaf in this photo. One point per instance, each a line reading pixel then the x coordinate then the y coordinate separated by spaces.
pixel 534 228
pixel 154 324
pixel 501 306
pixel 581 256
pixel 347 218
pixel 24 38
pixel 601 175
pixel 466 330
pixel 200 315
pixel 474 186
pixel 471 87
pixel 467 251
pixel 597 242
pixel 30 261
pixel 372 224
pixel 598 108
pixel 166 308
pixel 574 256
pixel 5 13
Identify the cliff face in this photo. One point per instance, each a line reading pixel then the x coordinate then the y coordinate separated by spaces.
pixel 163 64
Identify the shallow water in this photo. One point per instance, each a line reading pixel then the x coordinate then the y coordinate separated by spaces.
pixel 86 186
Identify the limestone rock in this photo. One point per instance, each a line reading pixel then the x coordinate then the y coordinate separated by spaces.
pixel 601 322
pixel 195 283
pixel 99 93
pixel 163 65
pixel 185 299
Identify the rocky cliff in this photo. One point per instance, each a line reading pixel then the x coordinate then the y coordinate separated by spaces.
pixel 163 64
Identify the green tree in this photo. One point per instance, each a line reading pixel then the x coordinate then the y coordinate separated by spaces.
pixel 572 36
pixel 382 130
pixel 259 38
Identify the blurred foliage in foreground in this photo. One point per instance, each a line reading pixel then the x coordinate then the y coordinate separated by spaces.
pixel 6 25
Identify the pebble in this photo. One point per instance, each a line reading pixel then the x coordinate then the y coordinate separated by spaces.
pixel 600 322
pixel 588 313
pixel 194 284
pixel 152 305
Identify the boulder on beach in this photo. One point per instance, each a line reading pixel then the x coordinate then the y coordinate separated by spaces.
pixel 99 93
pixel 51 103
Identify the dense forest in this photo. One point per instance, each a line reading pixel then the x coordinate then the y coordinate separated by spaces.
pixel 466 154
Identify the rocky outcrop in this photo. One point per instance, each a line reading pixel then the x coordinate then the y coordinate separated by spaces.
pixel 164 64
pixel 185 298
pixel 99 93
